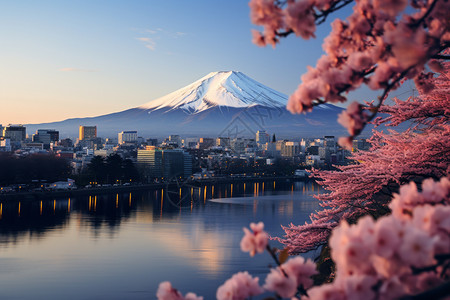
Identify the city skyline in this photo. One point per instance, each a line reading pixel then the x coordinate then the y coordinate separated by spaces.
pixel 83 59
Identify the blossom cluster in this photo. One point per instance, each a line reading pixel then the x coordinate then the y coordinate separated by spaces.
pixel 397 254
pixel 240 286
pixel 167 292
pixel 404 253
pixel 378 44
pixel 431 109
pixel 353 119
pixel 285 280
pixel 363 186
pixel 254 241
pixel 288 277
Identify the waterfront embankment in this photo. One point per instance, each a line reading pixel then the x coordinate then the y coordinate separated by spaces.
pixel 34 195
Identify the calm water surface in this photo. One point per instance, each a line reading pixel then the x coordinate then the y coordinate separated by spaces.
pixel 121 246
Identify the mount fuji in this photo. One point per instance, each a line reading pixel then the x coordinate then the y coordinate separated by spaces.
pixel 225 104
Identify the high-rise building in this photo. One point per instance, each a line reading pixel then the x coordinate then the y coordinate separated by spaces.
pixel 330 143
pixel 175 140
pixel 87 132
pixel 291 149
pixel 15 133
pixel 205 143
pixel 150 162
pixel 169 163
pixel 262 137
pixel 223 142
pixel 5 144
pixel 46 136
pixel 127 137
pixel 152 142
pixel 173 163
pixel 67 143
pixel 187 162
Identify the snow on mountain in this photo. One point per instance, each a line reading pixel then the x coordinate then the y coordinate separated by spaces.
pixel 227 104
pixel 224 88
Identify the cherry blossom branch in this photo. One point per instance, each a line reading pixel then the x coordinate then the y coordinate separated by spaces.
pixel 321 18
pixel 434 293
pixel 427 13
pixel 440 56
pixel 441 258
pixel 273 254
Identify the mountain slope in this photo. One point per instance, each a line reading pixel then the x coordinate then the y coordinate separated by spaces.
pixel 219 104
pixel 230 89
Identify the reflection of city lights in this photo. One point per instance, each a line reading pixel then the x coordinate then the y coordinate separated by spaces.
pixel 90 203
pixel 54 205
pixel 231 195
pixel 212 192
pixel 129 200
pixel 117 201
pixel 199 248
pixel 1 210
pixel 68 206
pixel 19 210
pixel 95 203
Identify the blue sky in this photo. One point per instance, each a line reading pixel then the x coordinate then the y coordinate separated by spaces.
pixel 61 59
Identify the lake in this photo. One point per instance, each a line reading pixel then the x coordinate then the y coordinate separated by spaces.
pixel 121 246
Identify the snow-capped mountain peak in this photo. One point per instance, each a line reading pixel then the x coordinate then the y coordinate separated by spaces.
pixel 223 88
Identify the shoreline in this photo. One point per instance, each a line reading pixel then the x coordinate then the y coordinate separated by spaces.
pixel 36 195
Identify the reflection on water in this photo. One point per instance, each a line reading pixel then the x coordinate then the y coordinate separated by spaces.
pixel 121 246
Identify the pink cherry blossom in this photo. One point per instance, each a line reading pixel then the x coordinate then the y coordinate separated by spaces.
pixel 299 17
pixel 240 286
pixel 386 236
pixel 301 270
pixel 167 292
pixel 359 61
pixel 428 280
pixel 392 288
pixel 387 268
pixel 436 191
pixel 353 118
pixel 192 296
pixel 416 248
pixel 358 287
pixel 346 142
pixel 254 241
pixel 283 285
pixel 327 292
pixel 258 38
pixel 390 7
pixel 379 44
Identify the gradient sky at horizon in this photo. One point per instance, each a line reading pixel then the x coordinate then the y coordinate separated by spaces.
pixel 65 59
